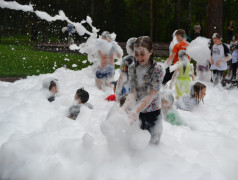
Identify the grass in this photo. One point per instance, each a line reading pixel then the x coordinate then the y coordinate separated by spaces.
pixel 18 59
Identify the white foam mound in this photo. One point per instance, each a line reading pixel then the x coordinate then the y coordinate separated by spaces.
pixel 121 134
pixel 38 141
pixel 199 50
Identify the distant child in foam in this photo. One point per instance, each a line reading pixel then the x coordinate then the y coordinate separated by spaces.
pixel 106 70
pixel 123 86
pixel 181 77
pixel 188 102
pixel 80 99
pixel 220 56
pixel 170 113
pixel 173 58
pixel 51 87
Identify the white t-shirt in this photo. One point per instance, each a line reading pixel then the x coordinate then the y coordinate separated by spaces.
pixel 219 52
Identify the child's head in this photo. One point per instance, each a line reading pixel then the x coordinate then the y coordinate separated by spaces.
pixel 182 55
pixel 106 36
pixel 53 87
pixel 130 46
pixel 81 96
pixel 198 91
pixel 180 35
pixel 143 49
pixel 230 23
pixel 114 85
pixel 167 100
pixel 217 39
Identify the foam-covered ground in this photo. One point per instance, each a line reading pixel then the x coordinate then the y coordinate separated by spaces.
pixel 38 141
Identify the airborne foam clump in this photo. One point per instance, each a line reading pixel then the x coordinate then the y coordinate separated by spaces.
pixel 16 6
pixel 199 50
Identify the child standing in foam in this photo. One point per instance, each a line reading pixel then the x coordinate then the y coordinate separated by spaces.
pixel 80 99
pixel 234 50
pixel 123 86
pixel 145 78
pixel 188 102
pixel 181 76
pixel 220 56
pixel 106 70
pixel 173 58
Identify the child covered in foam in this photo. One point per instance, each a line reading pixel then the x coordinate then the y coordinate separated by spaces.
pixel 170 113
pixel 188 102
pixel 81 97
pixel 183 69
pixel 50 85
pixel 123 86
pixel 106 70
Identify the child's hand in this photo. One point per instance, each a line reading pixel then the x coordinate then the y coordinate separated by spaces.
pixel 218 64
pixel 133 117
pixel 212 61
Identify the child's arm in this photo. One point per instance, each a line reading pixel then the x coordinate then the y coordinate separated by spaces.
pixel 129 100
pixel 169 60
pixel 174 77
pixel 143 104
pixel 192 72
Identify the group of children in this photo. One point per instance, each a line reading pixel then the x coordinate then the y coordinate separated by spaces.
pixel 141 79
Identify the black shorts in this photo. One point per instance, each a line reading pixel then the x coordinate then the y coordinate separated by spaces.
pixel 148 120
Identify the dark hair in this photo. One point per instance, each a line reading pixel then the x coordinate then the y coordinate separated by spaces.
pixel 52 84
pixel 145 41
pixel 123 100
pixel 114 83
pixel 181 33
pixel 197 87
pixel 83 95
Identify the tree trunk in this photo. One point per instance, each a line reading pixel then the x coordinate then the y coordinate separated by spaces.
pixel 178 13
pixel 190 18
pixel 151 19
pixel 214 17
pixel 166 20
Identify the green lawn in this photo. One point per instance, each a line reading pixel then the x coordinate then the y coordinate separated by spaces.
pixel 18 59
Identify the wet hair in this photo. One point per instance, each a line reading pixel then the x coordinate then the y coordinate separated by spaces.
pixel 123 100
pixel 83 95
pixel 196 88
pixel 216 35
pixel 106 35
pixel 145 41
pixel 180 32
pixel 52 84
pixel 114 83
pixel 168 97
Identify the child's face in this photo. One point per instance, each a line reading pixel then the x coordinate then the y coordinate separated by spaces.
pixel 142 55
pixel 179 38
pixel 202 93
pixel 54 90
pixel 216 41
pixel 76 98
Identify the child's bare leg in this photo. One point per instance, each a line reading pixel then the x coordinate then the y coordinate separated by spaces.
pixel 99 83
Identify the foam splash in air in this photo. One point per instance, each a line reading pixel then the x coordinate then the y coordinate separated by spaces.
pixel 199 50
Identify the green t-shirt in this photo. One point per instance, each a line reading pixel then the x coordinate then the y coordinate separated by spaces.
pixel 174 118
